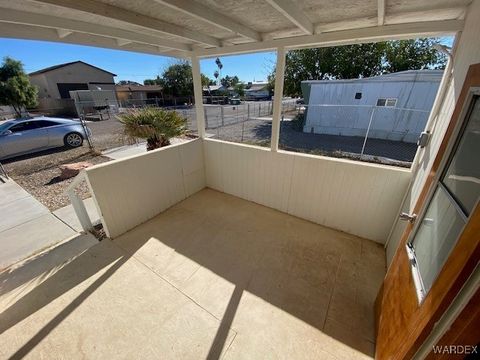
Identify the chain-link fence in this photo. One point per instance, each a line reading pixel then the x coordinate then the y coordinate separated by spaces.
pixel 370 133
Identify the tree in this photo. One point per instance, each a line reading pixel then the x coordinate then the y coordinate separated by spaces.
pixel 228 81
pixel 413 54
pixel 206 81
pixel 356 61
pixel 177 80
pixel 15 87
pixel 239 89
pixel 156 81
pixel 128 82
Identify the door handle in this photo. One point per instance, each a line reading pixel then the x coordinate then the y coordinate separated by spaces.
pixel 408 217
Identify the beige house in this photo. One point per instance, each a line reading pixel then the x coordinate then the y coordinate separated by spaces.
pixel 56 81
pixel 139 93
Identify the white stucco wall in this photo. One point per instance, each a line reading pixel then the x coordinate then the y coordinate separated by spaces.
pixel 467 53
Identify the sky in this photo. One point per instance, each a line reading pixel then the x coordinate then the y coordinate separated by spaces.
pixel 36 55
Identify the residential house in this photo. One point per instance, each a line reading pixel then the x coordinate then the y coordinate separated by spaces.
pixel 257 91
pixel 138 94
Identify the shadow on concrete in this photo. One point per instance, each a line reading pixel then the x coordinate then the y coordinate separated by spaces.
pixel 257 249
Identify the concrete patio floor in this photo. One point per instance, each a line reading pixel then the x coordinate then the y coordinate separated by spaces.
pixel 212 277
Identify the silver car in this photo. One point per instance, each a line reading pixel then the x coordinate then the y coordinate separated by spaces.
pixel 24 136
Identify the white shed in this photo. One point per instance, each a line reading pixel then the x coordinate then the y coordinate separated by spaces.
pixel 396 106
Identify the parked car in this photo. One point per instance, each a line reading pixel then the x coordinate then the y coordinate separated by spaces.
pixel 234 100
pixel 24 136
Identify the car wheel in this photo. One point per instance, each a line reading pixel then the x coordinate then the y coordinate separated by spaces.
pixel 73 140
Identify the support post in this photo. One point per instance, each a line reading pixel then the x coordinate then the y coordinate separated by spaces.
pixel 277 101
pixel 198 94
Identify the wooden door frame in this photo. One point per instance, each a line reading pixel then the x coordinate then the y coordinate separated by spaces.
pixel 416 321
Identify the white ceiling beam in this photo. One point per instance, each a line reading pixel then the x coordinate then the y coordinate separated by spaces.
pixel 433 15
pixel 291 11
pixel 62 33
pixel 201 12
pixel 129 17
pixel 440 14
pixel 381 12
pixel 344 37
pixel 21 31
pixel 21 17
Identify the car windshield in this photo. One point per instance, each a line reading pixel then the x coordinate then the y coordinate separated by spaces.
pixel 5 126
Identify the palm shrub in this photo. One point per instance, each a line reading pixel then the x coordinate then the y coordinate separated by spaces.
pixel 155 125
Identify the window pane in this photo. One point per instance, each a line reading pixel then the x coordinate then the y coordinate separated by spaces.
pixel 462 178
pixel 27 125
pixel 381 102
pixel 391 102
pixel 45 123
pixel 436 236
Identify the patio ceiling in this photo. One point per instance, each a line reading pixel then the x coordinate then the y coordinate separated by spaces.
pixel 210 27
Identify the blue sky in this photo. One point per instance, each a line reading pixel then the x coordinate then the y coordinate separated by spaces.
pixel 127 65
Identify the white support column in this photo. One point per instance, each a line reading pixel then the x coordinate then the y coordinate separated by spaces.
pixel 198 94
pixel 277 101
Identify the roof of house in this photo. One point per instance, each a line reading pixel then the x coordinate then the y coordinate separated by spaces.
pixel 425 75
pixel 213 87
pixel 134 88
pixel 55 67
pixel 257 86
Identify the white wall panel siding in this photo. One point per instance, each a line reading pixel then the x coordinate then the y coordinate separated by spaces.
pixel 358 198
pixel 249 172
pixel 130 191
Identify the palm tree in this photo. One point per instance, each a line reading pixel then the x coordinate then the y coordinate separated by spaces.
pixel 155 125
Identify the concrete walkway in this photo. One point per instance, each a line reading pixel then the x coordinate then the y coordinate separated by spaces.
pixel 26 226
pixel 135 149
pixel 68 216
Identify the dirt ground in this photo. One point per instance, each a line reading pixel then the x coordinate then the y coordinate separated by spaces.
pixel 39 173
pixel 258 132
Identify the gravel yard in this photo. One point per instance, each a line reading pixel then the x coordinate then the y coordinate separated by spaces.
pixel 258 132
pixel 39 173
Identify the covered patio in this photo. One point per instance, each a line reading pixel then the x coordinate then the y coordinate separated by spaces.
pixel 212 277
pixel 221 250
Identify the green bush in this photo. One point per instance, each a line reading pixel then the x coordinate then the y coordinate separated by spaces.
pixel 155 125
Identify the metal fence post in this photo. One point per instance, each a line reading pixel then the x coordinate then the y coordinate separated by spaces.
pixel 206 118
pixel 368 130
pixel 248 111
pixel 222 115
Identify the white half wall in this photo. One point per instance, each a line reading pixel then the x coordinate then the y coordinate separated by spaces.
pixel 130 191
pixel 358 198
